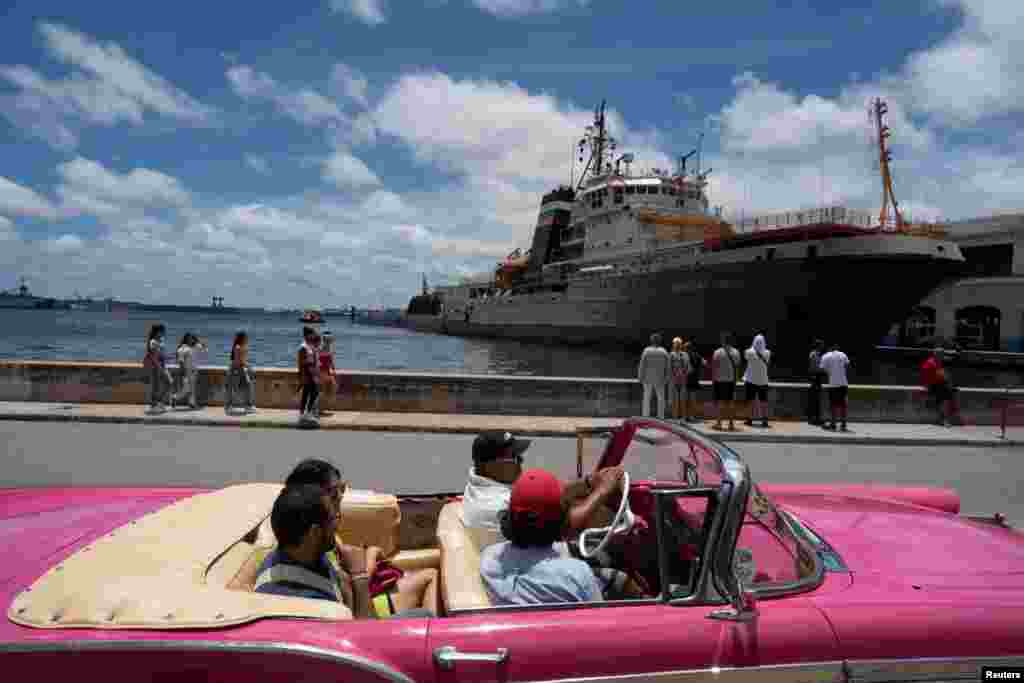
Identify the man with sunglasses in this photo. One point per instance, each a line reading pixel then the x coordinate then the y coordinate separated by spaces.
pixel 497 464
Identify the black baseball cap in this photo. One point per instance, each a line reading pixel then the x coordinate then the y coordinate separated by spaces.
pixel 490 446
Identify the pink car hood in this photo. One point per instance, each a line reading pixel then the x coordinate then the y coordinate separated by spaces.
pixel 905 543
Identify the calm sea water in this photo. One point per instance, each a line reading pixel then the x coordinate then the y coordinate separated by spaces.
pixel 274 338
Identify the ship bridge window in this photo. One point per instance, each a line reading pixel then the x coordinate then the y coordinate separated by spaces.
pixel 630 189
pixel 641 189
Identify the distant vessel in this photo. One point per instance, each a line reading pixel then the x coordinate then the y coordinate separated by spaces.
pixel 622 255
pixel 22 298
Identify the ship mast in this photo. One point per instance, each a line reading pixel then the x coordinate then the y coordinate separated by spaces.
pixel 600 143
pixel 878 110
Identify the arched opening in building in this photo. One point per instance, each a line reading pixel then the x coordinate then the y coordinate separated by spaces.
pixel 977 327
pixel 919 327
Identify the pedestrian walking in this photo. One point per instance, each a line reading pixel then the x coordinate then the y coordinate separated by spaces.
pixel 835 363
pixel 653 374
pixel 159 375
pixel 936 379
pixel 679 363
pixel 187 371
pixel 328 383
pixel 815 378
pixel 755 378
pixel 696 362
pixel 309 378
pixel 240 376
pixel 725 362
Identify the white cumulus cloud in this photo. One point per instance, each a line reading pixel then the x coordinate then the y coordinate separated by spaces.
pixel 370 12
pixel 106 86
pixel 64 244
pixel 346 171
pixel 18 200
pixel 89 186
pixel 305 105
pixel 518 8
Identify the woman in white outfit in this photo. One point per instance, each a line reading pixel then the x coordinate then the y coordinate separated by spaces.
pixel 756 378
pixel 187 370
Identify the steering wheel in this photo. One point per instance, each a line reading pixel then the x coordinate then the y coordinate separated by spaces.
pixel 624 521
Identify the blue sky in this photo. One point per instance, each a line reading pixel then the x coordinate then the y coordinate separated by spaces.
pixel 330 151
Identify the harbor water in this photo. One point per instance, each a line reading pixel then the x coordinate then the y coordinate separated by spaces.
pixel 82 335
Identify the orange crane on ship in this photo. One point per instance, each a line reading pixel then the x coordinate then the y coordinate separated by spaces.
pixel 877 112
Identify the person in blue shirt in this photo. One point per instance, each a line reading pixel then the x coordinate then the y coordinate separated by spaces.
pixel 532 566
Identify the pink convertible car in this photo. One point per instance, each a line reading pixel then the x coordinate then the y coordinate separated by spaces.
pixel 745 582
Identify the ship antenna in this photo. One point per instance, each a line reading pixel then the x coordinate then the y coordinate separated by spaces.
pixel 879 110
pixel 700 146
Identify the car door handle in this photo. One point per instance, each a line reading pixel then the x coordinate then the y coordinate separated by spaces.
pixel 447 656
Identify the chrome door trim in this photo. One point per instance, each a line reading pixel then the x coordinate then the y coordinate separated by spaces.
pixel 934 670
pixel 237 647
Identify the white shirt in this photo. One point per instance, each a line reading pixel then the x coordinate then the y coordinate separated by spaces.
pixel 483 500
pixel 757 369
pixel 654 366
pixel 835 364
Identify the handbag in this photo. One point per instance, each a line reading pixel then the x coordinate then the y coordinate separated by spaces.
pixel 385 577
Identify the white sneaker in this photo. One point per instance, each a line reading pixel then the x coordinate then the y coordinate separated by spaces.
pixel 157 409
pixel 250 410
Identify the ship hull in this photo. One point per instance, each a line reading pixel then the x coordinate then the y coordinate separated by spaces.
pixel 852 301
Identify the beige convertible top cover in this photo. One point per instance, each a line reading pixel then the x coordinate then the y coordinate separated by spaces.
pixel 152 572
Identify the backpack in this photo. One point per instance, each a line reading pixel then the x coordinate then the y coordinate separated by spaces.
pixel 696 363
pixel 149 359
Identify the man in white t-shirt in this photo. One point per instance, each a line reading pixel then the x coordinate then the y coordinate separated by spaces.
pixel 725 363
pixel 835 363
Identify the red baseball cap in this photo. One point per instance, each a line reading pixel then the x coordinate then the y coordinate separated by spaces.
pixel 537 491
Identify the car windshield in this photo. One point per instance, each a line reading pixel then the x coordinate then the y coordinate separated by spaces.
pixel 773 551
pixel 659 455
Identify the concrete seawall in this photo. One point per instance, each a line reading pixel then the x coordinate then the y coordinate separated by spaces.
pixel 127 383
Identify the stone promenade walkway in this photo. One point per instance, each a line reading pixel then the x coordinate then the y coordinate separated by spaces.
pixel 785 432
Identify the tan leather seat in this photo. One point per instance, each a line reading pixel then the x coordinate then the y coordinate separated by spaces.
pixel 461 585
pixel 367 518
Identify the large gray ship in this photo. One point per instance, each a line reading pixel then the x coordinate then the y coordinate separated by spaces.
pixel 23 299
pixel 621 255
